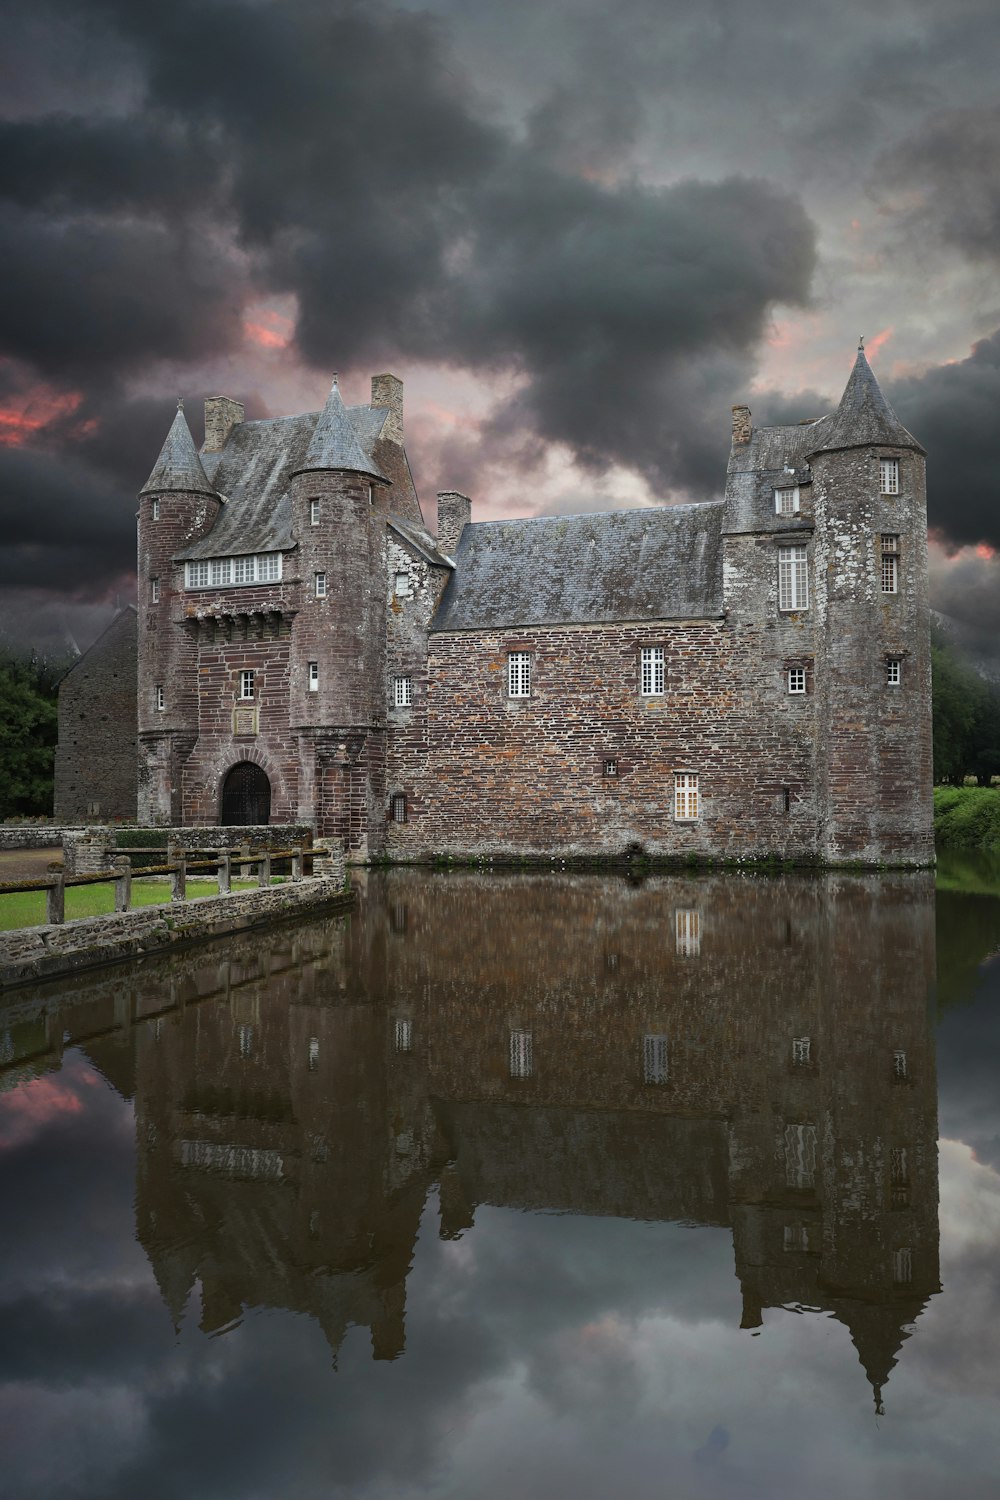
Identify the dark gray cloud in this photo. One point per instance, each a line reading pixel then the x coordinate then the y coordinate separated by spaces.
pixel 943 181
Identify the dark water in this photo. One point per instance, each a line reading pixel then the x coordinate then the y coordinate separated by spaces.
pixel 522 1185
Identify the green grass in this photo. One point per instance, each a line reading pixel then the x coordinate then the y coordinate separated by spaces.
pixel 967 817
pixel 27 908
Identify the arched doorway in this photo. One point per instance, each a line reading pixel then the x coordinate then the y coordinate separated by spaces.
pixel 246 795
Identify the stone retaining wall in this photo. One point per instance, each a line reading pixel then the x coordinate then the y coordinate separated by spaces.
pixel 30 954
pixel 32 836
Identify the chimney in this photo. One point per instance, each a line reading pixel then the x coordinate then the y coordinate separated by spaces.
pixel 454 512
pixel 222 414
pixel 742 426
pixel 387 390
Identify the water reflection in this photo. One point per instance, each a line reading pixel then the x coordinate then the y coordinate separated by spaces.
pixel 753 1054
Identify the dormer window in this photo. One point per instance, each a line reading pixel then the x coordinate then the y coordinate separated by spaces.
pixel 888 476
pixel 786 501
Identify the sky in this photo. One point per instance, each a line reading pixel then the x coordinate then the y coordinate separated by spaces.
pixel 579 234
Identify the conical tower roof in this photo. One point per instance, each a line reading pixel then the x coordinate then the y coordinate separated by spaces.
pixel 178 466
pixel 864 418
pixel 335 444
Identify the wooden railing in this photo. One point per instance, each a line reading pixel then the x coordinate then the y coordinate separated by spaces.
pixel 177 865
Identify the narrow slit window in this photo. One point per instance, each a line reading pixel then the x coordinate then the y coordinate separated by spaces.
pixel 159 698
pixel 899 1070
pixel 313 1053
pixel 320 585
pixel 793 578
pixel 890 563
pixel 521 1059
pixel 313 677
pixel 403 1034
pixel 402 692
pixel 519 674
pixel 313 512
pixel 652 672
pixel 686 797
pixel 888 476
pixel 399 807
pixel 154 510
pixel 154 590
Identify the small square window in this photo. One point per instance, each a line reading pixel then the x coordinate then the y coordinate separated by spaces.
pixel 320 585
pixel 398 807
pixel 611 765
pixel 652 672
pixel 154 510
pixel 402 692
pixel 786 501
pixel 796 679
pixel 313 512
pixel 519 674
pixel 686 800
pixel 246 684
pixel 893 671
pixel 888 476
pixel 313 676
pixel 154 590
pixel 159 698
pixel 403 589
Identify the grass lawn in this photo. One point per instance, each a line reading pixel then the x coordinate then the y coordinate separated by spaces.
pixel 27 908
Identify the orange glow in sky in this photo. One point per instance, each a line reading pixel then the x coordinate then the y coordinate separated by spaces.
pixel 24 415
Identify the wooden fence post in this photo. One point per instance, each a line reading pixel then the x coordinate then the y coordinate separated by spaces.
pixel 225 873
pixel 123 886
pixel 264 874
pixel 55 900
pixel 179 878
pixel 245 869
pixel 297 862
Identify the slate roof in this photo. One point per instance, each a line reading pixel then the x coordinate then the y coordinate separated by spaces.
pixel 656 564
pixel 420 540
pixel 254 470
pixel 335 443
pixel 774 458
pixel 178 466
pixel 864 417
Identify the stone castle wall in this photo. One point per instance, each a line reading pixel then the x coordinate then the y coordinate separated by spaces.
pixel 96 759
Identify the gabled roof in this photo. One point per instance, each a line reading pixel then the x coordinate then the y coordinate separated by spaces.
pixel 656 564
pixel 420 540
pixel 864 418
pixel 178 466
pixel 334 444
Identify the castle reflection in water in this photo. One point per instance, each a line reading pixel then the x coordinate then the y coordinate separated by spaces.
pixel 748 1053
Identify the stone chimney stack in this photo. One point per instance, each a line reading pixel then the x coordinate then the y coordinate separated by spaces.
pixel 742 426
pixel 387 390
pixel 454 513
pixel 222 414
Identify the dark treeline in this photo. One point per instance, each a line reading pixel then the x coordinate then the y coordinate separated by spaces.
pixel 966 718
pixel 28 731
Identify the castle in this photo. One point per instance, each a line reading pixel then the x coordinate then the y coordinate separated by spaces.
pixel 743 678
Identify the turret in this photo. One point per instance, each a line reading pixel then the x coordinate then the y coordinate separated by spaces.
pixel 874 768
pixel 177 505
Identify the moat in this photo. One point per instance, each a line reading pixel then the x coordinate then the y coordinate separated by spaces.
pixel 546 1185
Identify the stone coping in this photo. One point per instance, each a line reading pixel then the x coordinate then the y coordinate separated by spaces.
pixel 31 954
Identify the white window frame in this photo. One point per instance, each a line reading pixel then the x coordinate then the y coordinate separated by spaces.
pixel 154 590
pixel 269 567
pixel 519 674
pixel 312 676
pixel 793 578
pixel 652 672
pixel 319 583
pixel 238 572
pixel 521 1054
pixel 314 511
pixel 687 932
pixel 611 765
pixel 154 509
pixel 247 678
pixel 159 698
pixel 786 500
pixel 796 680
pixel 655 1058
pixel 888 476
pixel 687 797
pixel 196 574
pixel 220 571
pixel 402 692
pixel 890 562
pixel 403 588
pixel 893 671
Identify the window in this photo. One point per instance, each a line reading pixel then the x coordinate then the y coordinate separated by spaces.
pixel 398 807
pixel 687 933
pixel 893 671
pixel 159 698
pixel 313 512
pixel 313 1053
pixel 220 570
pixel 403 1039
pixel 399 914
pixel 796 679
pixel 652 672
pixel 313 676
pixel 519 674
pixel 154 590
pixel 269 567
pixel 654 1059
pixel 320 580
pixel 800 1156
pixel 197 575
pixel 793 578
pixel 246 684
pixel 888 476
pixel 402 692
pixel 801 1051
pixel 154 510
pixel 795 1238
pixel 244 569
pixel 685 796
pixel 902 1266
pixel 403 589
pixel 890 563
pixel 611 766
pixel 786 501
pixel 520 1054
pixel 245 1037
pixel 899 1065
pixel 899 1178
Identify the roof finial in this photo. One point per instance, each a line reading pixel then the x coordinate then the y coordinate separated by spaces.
pixel 861 344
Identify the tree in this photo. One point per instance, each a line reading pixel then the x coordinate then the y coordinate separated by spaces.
pixel 28 733
pixel 966 718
